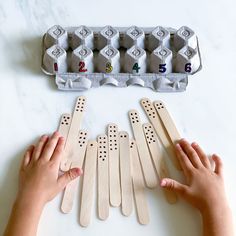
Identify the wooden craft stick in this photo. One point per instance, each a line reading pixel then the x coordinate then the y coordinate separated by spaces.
pixel 63 128
pixel 158 159
pixel 70 145
pixel 64 125
pixel 144 155
pixel 79 153
pixel 125 174
pixel 114 165
pixel 160 130
pixel 88 183
pixel 167 121
pixel 103 178
pixel 138 185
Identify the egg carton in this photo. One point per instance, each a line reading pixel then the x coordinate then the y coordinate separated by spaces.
pixel 160 58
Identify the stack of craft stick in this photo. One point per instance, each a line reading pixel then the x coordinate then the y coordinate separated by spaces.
pixel 122 166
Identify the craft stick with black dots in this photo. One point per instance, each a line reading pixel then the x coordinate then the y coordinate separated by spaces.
pixel 138 185
pixel 160 130
pixel 167 121
pixel 70 145
pixel 144 155
pixel 63 128
pixel 125 174
pixel 79 154
pixel 158 159
pixel 64 125
pixel 103 178
pixel 114 165
pixel 88 183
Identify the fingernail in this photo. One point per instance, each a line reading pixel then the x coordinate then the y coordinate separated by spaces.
pixel 194 144
pixel 163 183
pixel 44 136
pixel 79 171
pixel 213 156
pixel 56 133
pixel 178 146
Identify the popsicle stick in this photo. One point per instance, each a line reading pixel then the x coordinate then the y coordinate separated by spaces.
pixel 167 121
pixel 70 145
pixel 64 125
pixel 63 128
pixel 138 185
pixel 125 174
pixel 160 130
pixel 103 178
pixel 88 183
pixel 114 165
pixel 79 153
pixel 158 159
pixel 144 155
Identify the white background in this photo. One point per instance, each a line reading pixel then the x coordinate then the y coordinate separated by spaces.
pixel 30 104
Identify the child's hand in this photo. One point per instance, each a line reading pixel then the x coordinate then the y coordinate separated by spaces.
pixel 39 183
pixel 39 180
pixel 205 187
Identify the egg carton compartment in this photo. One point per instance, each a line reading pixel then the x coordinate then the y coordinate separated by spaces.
pixel 160 58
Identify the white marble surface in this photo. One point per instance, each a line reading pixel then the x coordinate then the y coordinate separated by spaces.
pixel 30 105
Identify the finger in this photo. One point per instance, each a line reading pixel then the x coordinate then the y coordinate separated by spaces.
pixel 191 153
pixel 183 159
pixel 58 152
pixel 203 157
pixel 173 185
pixel 39 147
pixel 218 164
pixel 50 146
pixel 68 177
pixel 27 156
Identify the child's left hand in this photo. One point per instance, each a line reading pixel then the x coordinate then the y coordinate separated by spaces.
pixel 39 180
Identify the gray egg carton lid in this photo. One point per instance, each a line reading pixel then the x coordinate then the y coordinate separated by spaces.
pixel 172 82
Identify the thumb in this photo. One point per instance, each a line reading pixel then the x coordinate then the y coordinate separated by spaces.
pixel 69 176
pixel 173 185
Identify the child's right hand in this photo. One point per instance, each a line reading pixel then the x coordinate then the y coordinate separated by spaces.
pixel 205 186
